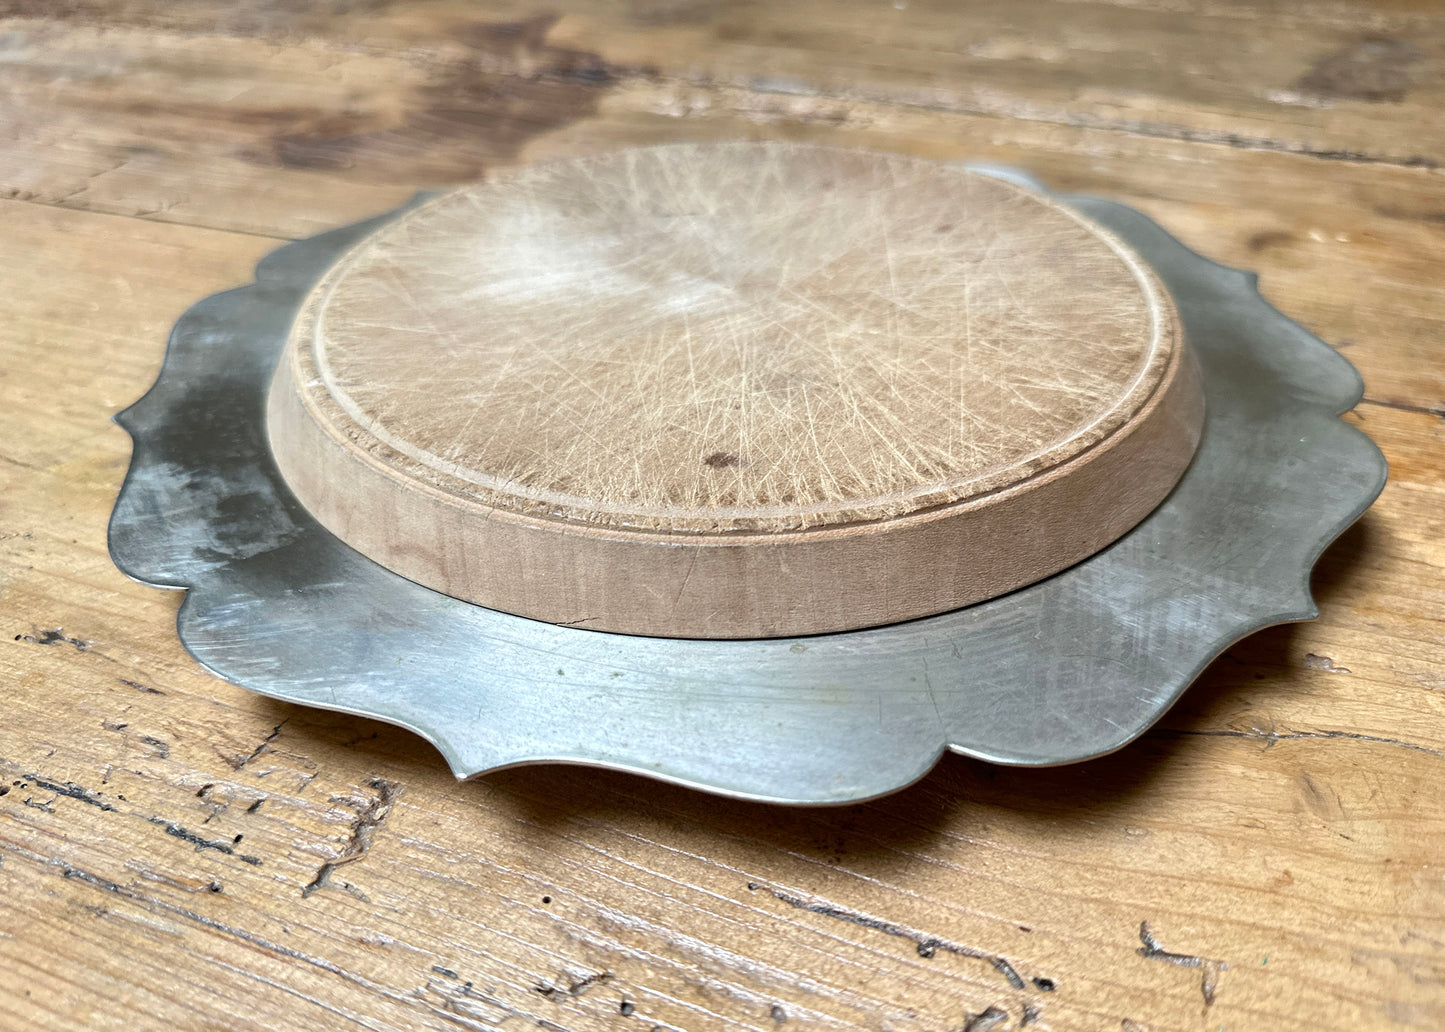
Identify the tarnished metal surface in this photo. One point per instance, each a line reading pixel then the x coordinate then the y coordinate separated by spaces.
pixel 1069 668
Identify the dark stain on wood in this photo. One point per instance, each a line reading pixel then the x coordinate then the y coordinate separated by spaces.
pixel 1268 238
pixel 721 460
pixel 508 86
pixel 465 95
pixel 1395 211
pixel 1322 800
pixel 1375 69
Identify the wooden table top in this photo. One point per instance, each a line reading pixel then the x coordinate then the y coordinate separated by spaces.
pixel 178 853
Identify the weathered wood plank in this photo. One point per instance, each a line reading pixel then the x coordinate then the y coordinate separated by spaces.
pixel 281 130
pixel 1322 81
pixel 1332 79
pixel 175 110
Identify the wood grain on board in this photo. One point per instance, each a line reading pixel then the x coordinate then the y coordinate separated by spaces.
pixel 735 390
pixel 177 853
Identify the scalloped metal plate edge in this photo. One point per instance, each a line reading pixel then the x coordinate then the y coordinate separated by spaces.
pixel 1072 667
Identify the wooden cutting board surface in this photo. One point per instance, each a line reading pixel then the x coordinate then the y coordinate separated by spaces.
pixel 677 390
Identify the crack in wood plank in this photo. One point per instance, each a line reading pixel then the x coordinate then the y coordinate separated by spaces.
pixel 238 763
pixel 576 986
pixel 1210 968
pixel 926 945
pixel 1271 737
pixel 72 872
pixel 1005 110
pixel 368 818
pixel 55 636
pixel 70 790
pixel 1405 406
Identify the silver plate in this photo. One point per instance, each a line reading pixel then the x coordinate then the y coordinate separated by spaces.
pixel 1066 669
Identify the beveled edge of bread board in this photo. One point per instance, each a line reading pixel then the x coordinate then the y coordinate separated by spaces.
pixel 736 583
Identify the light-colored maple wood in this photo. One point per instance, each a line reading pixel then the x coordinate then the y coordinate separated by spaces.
pixel 735 390
pixel 1285 820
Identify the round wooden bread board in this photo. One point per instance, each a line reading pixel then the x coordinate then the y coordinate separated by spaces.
pixel 735 390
